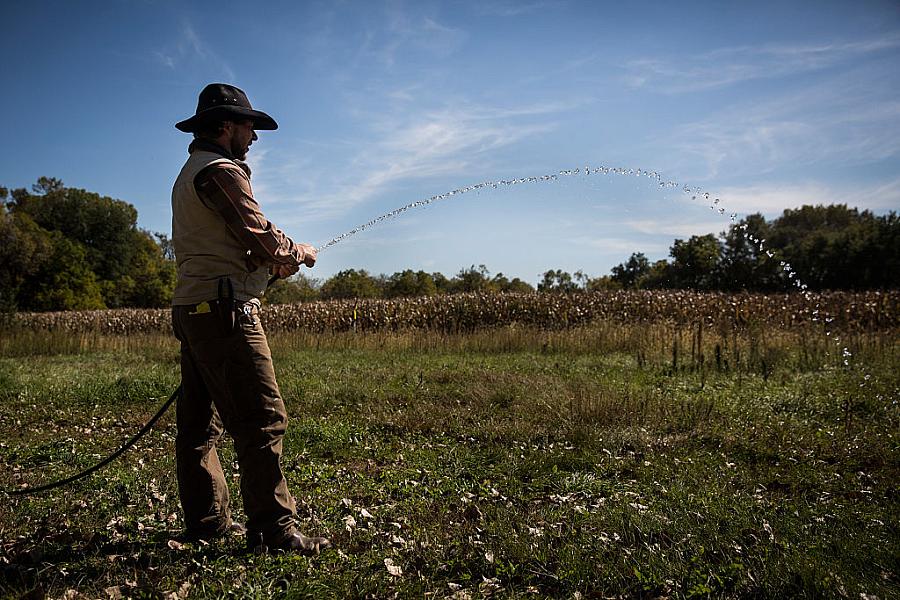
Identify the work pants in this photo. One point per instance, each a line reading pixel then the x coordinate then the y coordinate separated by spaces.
pixel 228 381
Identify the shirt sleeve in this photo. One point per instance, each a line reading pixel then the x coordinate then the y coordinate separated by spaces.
pixel 226 190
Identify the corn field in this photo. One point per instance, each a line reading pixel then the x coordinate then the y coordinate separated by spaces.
pixel 460 313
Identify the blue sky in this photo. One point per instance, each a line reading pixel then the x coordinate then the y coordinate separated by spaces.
pixel 767 105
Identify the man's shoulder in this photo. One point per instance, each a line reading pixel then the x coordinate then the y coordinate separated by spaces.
pixel 210 159
pixel 215 165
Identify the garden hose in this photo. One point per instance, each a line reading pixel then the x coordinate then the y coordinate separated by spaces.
pixel 131 442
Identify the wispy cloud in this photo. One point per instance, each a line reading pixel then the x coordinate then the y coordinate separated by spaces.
pixel 439 143
pixel 403 148
pixel 412 29
pixel 514 8
pixel 851 118
pixel 654 235
pixel 771 199
pixel 728 66
pixel 189 49
pixel 672 228
pixel 621 246
pixel 165 59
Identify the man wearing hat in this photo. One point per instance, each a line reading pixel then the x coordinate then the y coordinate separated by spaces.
pixel 225 249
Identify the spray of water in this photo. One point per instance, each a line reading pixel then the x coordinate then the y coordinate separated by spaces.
pixel 487 185
pixel 695 194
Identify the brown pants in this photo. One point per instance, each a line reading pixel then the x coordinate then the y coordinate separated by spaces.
pixel 228 381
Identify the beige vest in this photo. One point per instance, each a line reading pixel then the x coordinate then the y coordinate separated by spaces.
pixel 205 249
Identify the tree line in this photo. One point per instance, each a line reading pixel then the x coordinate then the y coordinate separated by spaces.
pixel 829 247
pixel 70 249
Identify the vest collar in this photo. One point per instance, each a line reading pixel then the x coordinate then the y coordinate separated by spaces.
pixel 208 146
pixel 199 145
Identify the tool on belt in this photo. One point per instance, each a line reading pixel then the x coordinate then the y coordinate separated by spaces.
pixel 224 305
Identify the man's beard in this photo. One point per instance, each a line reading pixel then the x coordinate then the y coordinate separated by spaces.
pixel 238 151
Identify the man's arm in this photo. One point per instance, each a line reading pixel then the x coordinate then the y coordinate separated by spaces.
pixel 226 190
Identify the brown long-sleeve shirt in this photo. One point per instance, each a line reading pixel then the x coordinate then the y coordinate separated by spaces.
pixel 225 188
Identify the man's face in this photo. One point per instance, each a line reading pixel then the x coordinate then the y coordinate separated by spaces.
pixel 242 135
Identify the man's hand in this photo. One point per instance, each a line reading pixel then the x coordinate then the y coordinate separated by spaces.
pixel 309 254
pixel 309 259
pixel 285 271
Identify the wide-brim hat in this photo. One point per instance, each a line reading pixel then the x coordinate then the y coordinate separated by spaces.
pixel 223 102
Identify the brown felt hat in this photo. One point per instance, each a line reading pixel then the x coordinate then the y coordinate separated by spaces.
pixel 222 102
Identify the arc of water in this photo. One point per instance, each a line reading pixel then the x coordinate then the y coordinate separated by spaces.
pixel 695 193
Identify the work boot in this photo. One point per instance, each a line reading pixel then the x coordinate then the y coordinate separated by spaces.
pixel 235 528
pixel 296 542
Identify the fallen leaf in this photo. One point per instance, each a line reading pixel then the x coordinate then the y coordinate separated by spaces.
pixel 113 592
pixel 393 569
pixel 488 585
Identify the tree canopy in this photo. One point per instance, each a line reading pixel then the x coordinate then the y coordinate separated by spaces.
pixel 828 247
pixel 68 248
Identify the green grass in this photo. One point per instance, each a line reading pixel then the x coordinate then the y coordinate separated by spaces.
pixel 512 463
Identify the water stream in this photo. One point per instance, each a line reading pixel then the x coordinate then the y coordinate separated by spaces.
pixel 695 194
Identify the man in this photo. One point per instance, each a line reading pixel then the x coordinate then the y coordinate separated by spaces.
pixel 224 248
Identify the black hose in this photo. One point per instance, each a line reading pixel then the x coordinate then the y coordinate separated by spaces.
pixel 131 442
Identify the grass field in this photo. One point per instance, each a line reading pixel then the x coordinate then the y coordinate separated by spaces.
pixel 592 462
